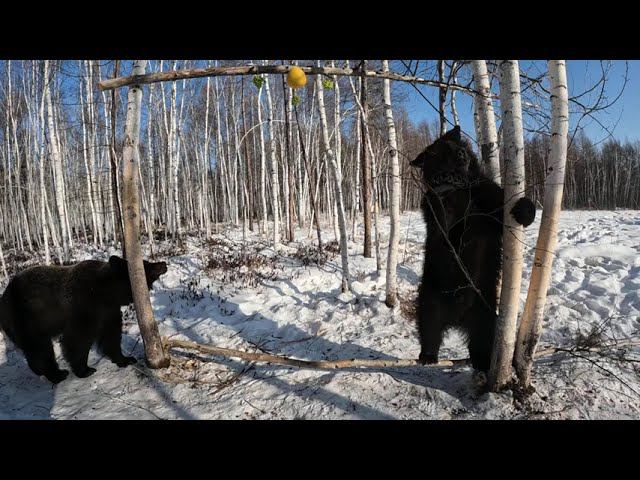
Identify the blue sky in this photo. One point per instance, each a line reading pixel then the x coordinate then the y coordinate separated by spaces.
pixel 581 74
pixel 623 117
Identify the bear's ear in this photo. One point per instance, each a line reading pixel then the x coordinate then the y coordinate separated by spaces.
pixel 117 263
pixel 153 270
pixel 160 268
pixel 453 135
pixel 419 161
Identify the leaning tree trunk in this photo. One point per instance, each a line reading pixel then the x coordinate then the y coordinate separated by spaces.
pixel 394 210
pixel 156 356
pixel 337 176
pixel 531 324
pixel 505 332
pixel 486 119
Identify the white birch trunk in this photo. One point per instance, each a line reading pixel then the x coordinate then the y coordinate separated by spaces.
pixel 486 119
pixel 275 187
pixel 43 192
pixel 205 165
pixel 58 172
pixel 173 159
pixel 531 324
pixel 513 236
pixel 263 166
pixel 337 176
pixel 394 210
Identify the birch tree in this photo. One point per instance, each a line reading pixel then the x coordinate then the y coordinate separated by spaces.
pixel 486 120
pixel 263 159
pixel 531 324
pixel 41 156
pixel 57 168
pixel 154 351
pixel 513 236
pixel 394 208
pixel 337 177
pixel 275 187
pixel 366 167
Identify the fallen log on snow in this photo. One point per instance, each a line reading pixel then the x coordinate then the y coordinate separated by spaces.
pixel 355 362
pixel 293 362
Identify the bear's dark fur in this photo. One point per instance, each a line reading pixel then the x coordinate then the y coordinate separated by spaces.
pixel 80 302
pixel 461 201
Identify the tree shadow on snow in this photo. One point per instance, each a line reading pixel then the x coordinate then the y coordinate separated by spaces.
pixel 290 340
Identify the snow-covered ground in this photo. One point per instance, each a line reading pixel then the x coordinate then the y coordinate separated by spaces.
pixel 243 295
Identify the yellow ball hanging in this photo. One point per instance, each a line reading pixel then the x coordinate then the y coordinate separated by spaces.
pixel 296 77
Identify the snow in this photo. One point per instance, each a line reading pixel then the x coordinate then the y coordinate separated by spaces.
pixel 283 306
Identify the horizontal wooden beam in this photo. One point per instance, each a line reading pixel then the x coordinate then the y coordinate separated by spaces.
pixel 175 75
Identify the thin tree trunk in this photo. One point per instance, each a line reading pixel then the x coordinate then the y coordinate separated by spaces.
pixel 513 236
pixel 113 162
pixel 442 99
pixel 314 203
pixel 531 324
pixel 275 187
pixel 366 167
pixel 486 120
pixel 288 159
pixel 43 192
pixel 394 211
pixel 58 171
pixel 263 166
pixel 337 176
pixel 154 351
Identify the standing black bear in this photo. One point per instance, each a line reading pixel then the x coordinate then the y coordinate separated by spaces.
pixel 463 211
pixel 82 302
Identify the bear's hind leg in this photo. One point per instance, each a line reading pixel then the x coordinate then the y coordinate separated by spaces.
pixel 42 361
pixel 110 341
pixel 432 321
pixel 76 350
pixel 480 325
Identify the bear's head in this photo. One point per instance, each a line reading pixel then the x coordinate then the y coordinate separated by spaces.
pixel 448 162
pixel 119 268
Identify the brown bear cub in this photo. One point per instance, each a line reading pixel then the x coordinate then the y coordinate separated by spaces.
pixel 463 254
pixel 81 302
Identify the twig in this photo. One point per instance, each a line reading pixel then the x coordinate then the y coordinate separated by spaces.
pixel 551 350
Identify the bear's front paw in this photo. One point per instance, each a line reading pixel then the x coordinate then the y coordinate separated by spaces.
pixel 87 372
pixel 524 212
pixel 428 358
pixel 125 361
